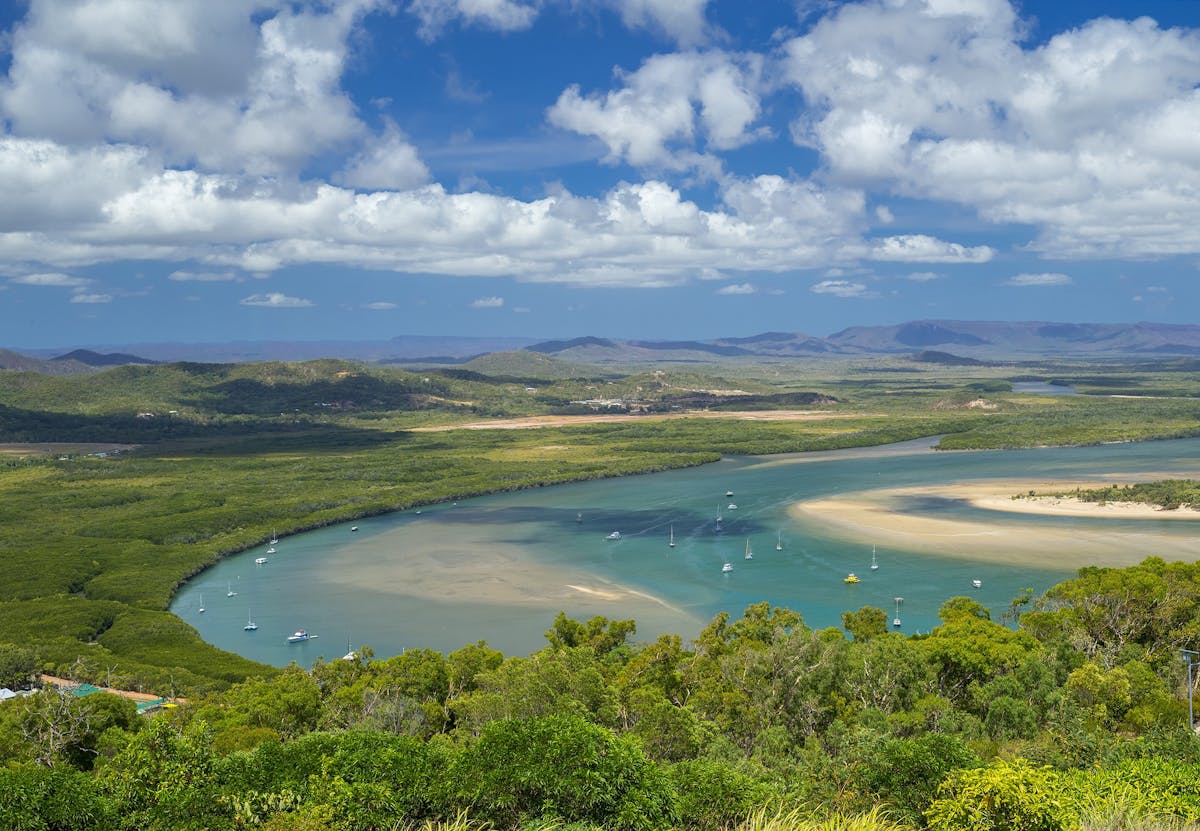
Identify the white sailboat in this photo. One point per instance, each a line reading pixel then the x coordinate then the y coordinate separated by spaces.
pixel 874 562
pixel 896 619
pixel 274 537
pixel 779 542
pixel 671 541
pixel 230 592
pixel 250 624
pixel 749 553
pixel 201 604
pixel 728 567
pixel 615 535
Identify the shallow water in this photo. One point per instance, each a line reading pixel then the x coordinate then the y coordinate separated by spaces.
pixel 499 568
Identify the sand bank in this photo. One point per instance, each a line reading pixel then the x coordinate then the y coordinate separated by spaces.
pixel 923 519
pixel 477 567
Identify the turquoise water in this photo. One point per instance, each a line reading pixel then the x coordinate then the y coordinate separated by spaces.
pixel 499 568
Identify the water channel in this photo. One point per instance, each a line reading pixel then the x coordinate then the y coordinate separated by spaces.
pixel 498 568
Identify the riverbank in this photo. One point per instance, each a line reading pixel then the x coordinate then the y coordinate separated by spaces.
pixel 931 519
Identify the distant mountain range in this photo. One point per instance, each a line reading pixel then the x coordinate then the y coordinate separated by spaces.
pixel 936 340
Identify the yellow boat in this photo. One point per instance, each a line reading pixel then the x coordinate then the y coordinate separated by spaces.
pixel 850 578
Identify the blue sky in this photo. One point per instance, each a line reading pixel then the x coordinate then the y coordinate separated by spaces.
pixel 265 170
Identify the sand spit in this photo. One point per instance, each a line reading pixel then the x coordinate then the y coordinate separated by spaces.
pixel 907 518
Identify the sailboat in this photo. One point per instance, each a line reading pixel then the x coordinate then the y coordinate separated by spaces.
pixel 202 604
pixel 274 537
pixel 874 562
pixel 728 567
pixel 749 553
pixel 230 592
pixel 671 542
pixel 779 542
pixel 717 525
pixel 250 624
pixel 896 619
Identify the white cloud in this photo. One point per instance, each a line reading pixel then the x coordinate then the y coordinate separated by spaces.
pixel 501 15
pixel 919 248
pixel 380 306
pixel 521 310
pixel 1088 136
pixel 884 214
pixel 681 20
pixel 737 288
pixel 52 279
pixel 487 303
pixel 1050 279
pixel 91 298
pixel 922 276
pixel 387 162
pixel 208 84
pixel 204 276
pixel 841 288
pixel 275 300
pixel 670 106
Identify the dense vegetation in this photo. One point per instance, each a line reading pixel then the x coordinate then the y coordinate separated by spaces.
pixel 1062 723
pixel 1167 494
pixel 1074 717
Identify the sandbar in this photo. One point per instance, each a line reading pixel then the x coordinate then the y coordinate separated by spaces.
pixel 534 422
pixel 911 519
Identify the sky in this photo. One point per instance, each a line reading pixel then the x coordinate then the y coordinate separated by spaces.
pixel 209 171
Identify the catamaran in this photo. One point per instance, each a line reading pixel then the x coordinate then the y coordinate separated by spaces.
pixel 749 553
pixel 779 542
pixel 671 542
pixel 250 624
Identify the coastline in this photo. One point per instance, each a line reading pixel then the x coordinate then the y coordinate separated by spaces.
pixel 923 519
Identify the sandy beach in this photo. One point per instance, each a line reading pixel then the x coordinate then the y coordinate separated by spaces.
pixel 909 518
pixel 533 422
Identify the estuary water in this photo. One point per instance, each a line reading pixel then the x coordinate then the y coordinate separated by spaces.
pixel 499 568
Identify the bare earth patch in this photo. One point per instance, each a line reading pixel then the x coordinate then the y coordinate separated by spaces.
pixel 531 422
pixel 60 448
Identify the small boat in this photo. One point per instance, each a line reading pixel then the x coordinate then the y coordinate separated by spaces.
pixel 779 542
pixel 299 636
pixel 671 541
pixel 250 624
pixel 977 583
pixel 271 550
pixel 728 493
pixel 749 553
pixel 874 562
pixel 353 527
pixel 274 537
pixel 261 561
pixel 230 592
pixel 579 518
pixel 896 619
pixel 615 535
pixel 201 604
pixel 731 507
pixel 850 578
pixel 728 567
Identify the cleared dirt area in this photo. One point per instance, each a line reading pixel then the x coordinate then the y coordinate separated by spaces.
pixel 531 422
pixel 61 448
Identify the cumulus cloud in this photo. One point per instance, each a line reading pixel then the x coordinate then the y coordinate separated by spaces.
pixel 91 298
pixel 1088 137
pixel 1050 279
pixel 386 162
pixel 487 303
pixel 841 288
pixel 737 288
pixel 275 300
pixel 210 84
pixel 919 248
pixel 680 20
pixel 670 107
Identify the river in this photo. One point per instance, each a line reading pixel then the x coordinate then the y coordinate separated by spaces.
pixel 498 568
